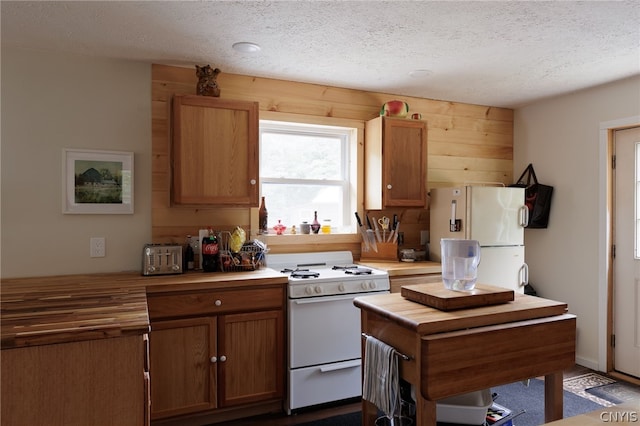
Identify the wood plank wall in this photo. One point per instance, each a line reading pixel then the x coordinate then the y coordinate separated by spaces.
pixel 466 144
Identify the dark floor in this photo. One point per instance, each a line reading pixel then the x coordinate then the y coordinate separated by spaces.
pixel 324 412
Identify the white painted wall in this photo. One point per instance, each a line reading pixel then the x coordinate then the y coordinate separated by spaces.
pixel 54 101
pixel 561 137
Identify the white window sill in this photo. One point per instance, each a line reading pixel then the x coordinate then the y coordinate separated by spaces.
pixel 306 239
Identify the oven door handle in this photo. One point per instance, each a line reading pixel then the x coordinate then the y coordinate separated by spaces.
pixel 323 299
pixel 340 366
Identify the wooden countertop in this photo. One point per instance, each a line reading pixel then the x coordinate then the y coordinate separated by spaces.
pixel 66 308
pixel 397 268
pixel 219 280
pixel 426 320
pixel 54 315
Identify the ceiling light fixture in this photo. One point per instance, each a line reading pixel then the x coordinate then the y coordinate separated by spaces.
pixel 420 73
pixel 246 47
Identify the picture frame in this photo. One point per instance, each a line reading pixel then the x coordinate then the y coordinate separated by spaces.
pixel 97 182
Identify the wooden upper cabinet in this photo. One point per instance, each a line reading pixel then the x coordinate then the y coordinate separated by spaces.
pixel 395 166
pixel 215 151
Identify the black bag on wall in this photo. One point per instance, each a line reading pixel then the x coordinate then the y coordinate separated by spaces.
pixel 537 198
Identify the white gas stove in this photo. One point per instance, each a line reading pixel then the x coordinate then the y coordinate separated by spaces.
pixel 323 327
pixel 327 273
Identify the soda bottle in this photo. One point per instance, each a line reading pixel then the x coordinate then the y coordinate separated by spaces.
pixel 210 252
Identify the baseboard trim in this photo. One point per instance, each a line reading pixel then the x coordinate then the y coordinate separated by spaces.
pixel 590 364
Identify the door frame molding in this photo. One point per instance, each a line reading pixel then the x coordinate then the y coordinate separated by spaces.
pixel 605 237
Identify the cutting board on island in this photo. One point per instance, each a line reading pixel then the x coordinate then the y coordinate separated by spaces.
pixel 437 296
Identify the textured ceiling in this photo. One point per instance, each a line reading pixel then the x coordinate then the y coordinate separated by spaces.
pixel 502 53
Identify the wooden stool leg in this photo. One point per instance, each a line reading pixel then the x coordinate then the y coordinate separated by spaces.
pixel 369 413
pixel 553 397
pixel 425 412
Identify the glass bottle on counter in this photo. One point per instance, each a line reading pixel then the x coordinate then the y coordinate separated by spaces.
pixel 315 225
pixel 262 218
pixel 189 256
pixel 195 245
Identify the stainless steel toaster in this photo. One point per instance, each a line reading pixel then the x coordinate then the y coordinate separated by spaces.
pixel 162 259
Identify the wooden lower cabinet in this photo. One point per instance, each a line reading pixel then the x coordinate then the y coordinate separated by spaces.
pixel 182 377
pixel 216 365
pixel 398 281
pixel 93 382
pixel 253 344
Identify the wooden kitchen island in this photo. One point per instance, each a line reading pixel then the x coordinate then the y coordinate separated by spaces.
pixel 459 351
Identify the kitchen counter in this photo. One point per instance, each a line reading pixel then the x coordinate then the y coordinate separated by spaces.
pixel 54 315
pixel 398 268
pixel 67 308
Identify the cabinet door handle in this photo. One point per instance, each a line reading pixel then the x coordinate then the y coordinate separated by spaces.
pixel 218 302
pixel 223 358
pixel 252 181
pixel 389 186
pixel 213 359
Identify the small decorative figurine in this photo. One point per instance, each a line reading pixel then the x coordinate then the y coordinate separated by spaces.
pixel 279 228
pixel 395 109
pixel 207 85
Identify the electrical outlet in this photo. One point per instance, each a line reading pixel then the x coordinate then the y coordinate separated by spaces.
pixel 97 247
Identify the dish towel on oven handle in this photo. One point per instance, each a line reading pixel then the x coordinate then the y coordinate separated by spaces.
pixel 381 383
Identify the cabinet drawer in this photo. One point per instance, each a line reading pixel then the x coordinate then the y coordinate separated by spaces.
pixel 473 359
pixel 214 302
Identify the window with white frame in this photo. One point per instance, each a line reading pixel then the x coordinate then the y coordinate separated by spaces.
pixel 306 168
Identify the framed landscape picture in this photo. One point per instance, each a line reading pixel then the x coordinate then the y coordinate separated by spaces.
pixel 97 182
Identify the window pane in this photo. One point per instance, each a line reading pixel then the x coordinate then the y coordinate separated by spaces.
pixel 299 156
pixel 294 204
pixel 306 168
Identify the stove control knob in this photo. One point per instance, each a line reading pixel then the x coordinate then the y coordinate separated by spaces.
pixel 372 285
pixel 341 287
pixel 364 285
pixel 318 289
pixel 308 290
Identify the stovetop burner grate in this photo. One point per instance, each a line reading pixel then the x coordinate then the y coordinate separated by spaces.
pixel 343 268
pixel 358 271
pixel 301 273
pixel 352 269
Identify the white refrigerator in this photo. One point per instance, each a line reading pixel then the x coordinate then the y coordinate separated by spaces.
pixel 496 217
